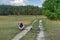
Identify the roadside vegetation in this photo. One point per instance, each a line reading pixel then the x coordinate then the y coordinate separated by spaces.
pixel 51 8
pixel 9 25
pixel 52 29
pixel 32 34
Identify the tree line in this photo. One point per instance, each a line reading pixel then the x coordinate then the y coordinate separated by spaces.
pixel 20 10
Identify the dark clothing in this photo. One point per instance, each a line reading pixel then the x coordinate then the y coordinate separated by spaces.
pixel 21 25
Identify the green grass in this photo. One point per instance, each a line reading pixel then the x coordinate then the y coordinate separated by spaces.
pixel 9 25
pixel 52 29
pixel 32 35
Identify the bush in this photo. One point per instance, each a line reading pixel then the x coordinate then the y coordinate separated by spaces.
pixel 52 15
pixel 58 15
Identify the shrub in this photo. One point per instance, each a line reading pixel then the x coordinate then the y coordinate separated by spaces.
pixel 52 15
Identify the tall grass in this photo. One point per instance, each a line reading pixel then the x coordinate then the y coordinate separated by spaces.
pixel 32 34
pixel 52 29
pixel 9 25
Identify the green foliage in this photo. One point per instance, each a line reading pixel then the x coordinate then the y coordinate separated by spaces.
pixel 50 15
pixel 19 10
pixel 51 8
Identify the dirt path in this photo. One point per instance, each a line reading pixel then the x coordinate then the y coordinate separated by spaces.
pixel 41 33
pixel 21 34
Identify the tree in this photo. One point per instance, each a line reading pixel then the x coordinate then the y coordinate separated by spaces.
pixel 19 10
pixel 51 8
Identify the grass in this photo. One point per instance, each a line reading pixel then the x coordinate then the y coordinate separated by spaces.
pixel 52 29
pixel 32 35
pixel 9 25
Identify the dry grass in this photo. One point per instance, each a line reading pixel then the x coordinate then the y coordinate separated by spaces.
pixel 32 35
pixel 25 22
pixel 57 22
pixel 9 25
pixel 52 28
pixel 15 22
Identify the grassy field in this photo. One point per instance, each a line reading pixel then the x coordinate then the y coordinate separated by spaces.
pixel 52 29
pixel 32 35
pixel 9 25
